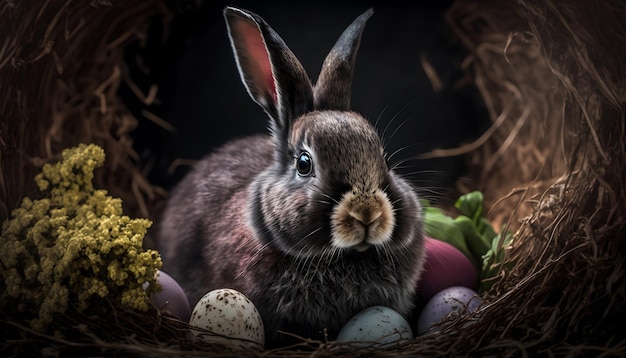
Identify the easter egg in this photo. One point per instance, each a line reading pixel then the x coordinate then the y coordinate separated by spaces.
pixel 457 299
pixel 230 317
pixel 171 298
pixel 376 325
pixel 445 266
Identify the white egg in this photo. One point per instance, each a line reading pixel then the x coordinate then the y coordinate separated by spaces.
pixel 231 318
pixel 376 324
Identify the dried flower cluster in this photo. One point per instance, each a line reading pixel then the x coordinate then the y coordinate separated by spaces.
pixel 72 245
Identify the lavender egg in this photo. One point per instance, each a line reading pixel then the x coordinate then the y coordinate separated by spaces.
pixel 457 299
pixel 171 298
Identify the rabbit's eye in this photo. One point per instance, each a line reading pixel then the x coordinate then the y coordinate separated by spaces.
pixel 304 164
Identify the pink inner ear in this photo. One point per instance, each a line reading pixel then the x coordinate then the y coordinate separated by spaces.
pixel 262 71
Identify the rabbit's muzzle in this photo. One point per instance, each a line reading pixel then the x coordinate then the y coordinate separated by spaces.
pixel 362 219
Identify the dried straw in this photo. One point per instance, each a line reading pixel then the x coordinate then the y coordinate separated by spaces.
pixel 552 75
pixel 61 65
pixel 557 161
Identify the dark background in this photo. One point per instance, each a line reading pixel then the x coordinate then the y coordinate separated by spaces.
pixel 201 95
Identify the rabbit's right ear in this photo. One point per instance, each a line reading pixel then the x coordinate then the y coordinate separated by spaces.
pixel 271 73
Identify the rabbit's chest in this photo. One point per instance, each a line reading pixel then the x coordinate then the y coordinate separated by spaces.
pixel 327 295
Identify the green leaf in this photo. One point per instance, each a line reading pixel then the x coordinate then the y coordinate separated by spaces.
pixel 485 229
pixel 442 227
pixel 471 205
pixel 493 258
pixel 478 244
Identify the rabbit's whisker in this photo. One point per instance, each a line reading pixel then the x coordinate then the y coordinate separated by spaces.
pixel 320 192
pixel 397 151
pixel 396 116
pixel 400 126
pixel 258 250
pixel 381 115
pixel 395 202
pixel 404 160
pixel 322 202
pixel 302 239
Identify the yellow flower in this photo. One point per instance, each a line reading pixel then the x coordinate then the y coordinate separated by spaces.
pixel 73 245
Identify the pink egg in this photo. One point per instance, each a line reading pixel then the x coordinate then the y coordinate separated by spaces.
pixel 445 267
pixel 172 298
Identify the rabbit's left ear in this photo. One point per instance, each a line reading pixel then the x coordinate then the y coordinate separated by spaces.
pixel 333 87
pixel 272 74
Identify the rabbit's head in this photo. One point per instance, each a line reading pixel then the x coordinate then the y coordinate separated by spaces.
pixel 329 190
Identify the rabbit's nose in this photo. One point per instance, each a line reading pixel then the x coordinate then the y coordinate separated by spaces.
pixel 368 223
pixel 366 217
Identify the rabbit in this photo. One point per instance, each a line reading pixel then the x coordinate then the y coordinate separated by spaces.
pixel 308 222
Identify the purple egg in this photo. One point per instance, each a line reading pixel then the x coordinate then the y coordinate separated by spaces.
pixel 171 298
pixel 445 267
pixel 461 300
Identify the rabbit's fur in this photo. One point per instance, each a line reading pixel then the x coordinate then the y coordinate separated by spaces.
pixel 309 222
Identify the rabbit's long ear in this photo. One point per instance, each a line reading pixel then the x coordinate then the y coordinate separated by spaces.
pixel 271 73
pixel 333 87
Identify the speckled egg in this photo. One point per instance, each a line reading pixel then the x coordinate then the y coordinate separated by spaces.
pixel 376 324
pixel 231 317
pixel 171 297
pixel 460 300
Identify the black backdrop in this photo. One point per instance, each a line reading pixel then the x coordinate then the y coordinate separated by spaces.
pixel 201 95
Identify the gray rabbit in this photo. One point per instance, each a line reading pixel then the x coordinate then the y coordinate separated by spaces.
pixel 309 222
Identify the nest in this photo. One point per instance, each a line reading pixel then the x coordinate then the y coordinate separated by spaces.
pixel 552 166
